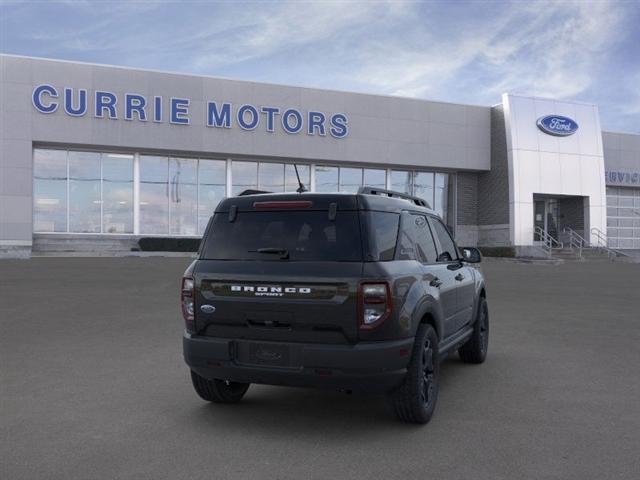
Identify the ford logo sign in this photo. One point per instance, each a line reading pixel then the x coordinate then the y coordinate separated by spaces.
pixel 208 308
pixel 557 125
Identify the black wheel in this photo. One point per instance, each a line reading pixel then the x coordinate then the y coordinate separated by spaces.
pixel 218 391
pixel 475 350
pixel 415 400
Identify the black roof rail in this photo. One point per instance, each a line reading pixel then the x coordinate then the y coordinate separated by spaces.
pixel 251 191
pixel 393 194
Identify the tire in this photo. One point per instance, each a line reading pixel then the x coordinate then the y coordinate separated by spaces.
pixel 475 350
pixel 218 391
pixel 415 400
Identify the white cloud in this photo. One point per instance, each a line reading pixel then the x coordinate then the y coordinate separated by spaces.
pixel 545 49
pixel 260 32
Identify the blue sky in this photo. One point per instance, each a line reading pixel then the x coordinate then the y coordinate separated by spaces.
pixel 458 51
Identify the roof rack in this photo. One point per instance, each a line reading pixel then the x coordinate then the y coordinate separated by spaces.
pixel 251 191
pixel 393 194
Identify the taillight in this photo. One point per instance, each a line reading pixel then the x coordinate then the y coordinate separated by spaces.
pixel 375 304
pixel 187 303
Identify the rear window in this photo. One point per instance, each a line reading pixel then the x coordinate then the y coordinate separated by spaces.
pixel 304 236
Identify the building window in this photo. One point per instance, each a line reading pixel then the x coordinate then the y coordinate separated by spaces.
pixel 154 195
pixel 244 176
pixel 50 190
pixel 350 179
pixel 183 196
pixel 291 180
pixel 117 193
pixel 375 178
pixel 401 181
pixel 326 179
pixel 212 181
pixel 85 199
pixel 440 201
pixel 423 186
pixel 271 177
pixel 92 192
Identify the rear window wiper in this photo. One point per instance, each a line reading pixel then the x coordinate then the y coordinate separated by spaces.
pixel 283 252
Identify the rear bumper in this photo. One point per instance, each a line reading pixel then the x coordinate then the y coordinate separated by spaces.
pixel 371 366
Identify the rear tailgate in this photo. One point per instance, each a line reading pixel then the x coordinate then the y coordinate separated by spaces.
pixel 287 301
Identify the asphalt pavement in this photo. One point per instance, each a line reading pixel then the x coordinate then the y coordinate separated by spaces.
pixel 93 386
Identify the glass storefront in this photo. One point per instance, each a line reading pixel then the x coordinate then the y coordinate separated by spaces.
pixel 94 192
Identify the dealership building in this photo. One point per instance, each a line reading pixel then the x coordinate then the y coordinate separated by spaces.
pixel 95 157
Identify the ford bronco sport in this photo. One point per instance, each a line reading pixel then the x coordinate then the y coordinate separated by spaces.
pixel 363 291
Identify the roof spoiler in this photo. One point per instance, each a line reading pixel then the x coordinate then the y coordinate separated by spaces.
pixel 252 191
pixel 393 194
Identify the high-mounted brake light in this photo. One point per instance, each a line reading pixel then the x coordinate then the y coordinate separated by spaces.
pixel 283 204
pixel 187 303
pixel 374 304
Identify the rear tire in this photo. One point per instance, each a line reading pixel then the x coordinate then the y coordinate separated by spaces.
pixel 415 400
pixel 475 350
pixel 218 391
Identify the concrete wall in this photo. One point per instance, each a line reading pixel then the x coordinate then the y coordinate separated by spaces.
pixel 388 131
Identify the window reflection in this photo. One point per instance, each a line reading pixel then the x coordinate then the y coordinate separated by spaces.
pixel 85 203
pixel 183 192
pixel 440 193
pixel 212 178
pixel 326 179
pixel 291 181
pixel 401 181
pixel 244 175
pixel 423 186
pixel 271 177
pixel 179 195
pixel 154 195
pixel 117 193
pixel 49 190
pixel 350 179
pixel 374 178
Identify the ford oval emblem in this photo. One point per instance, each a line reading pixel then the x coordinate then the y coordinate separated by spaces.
pixel 208 308
pixel 557 125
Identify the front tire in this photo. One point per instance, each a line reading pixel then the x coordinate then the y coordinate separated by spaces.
pixel 218 391
pixel 415 400
pixel 475 350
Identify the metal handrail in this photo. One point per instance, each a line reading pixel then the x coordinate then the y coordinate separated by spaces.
pixel 548 241
pixel 603 244
pixel 576 241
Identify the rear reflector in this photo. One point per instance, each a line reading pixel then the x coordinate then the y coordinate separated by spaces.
pixel 284 204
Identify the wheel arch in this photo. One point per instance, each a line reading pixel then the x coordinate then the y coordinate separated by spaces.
pixel 430 317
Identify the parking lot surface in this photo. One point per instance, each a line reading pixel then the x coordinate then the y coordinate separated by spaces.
pixel 93 386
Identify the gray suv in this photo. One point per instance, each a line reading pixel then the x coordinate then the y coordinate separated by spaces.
pixel 363 291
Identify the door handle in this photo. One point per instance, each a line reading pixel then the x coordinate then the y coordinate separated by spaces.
pixel 436 282
pixel 459 277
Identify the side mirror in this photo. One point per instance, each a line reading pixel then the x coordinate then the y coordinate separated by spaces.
pixel 471 255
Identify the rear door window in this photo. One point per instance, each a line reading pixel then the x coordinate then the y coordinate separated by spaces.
pixel 304 236
pixel 448 251
pixel 416 242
